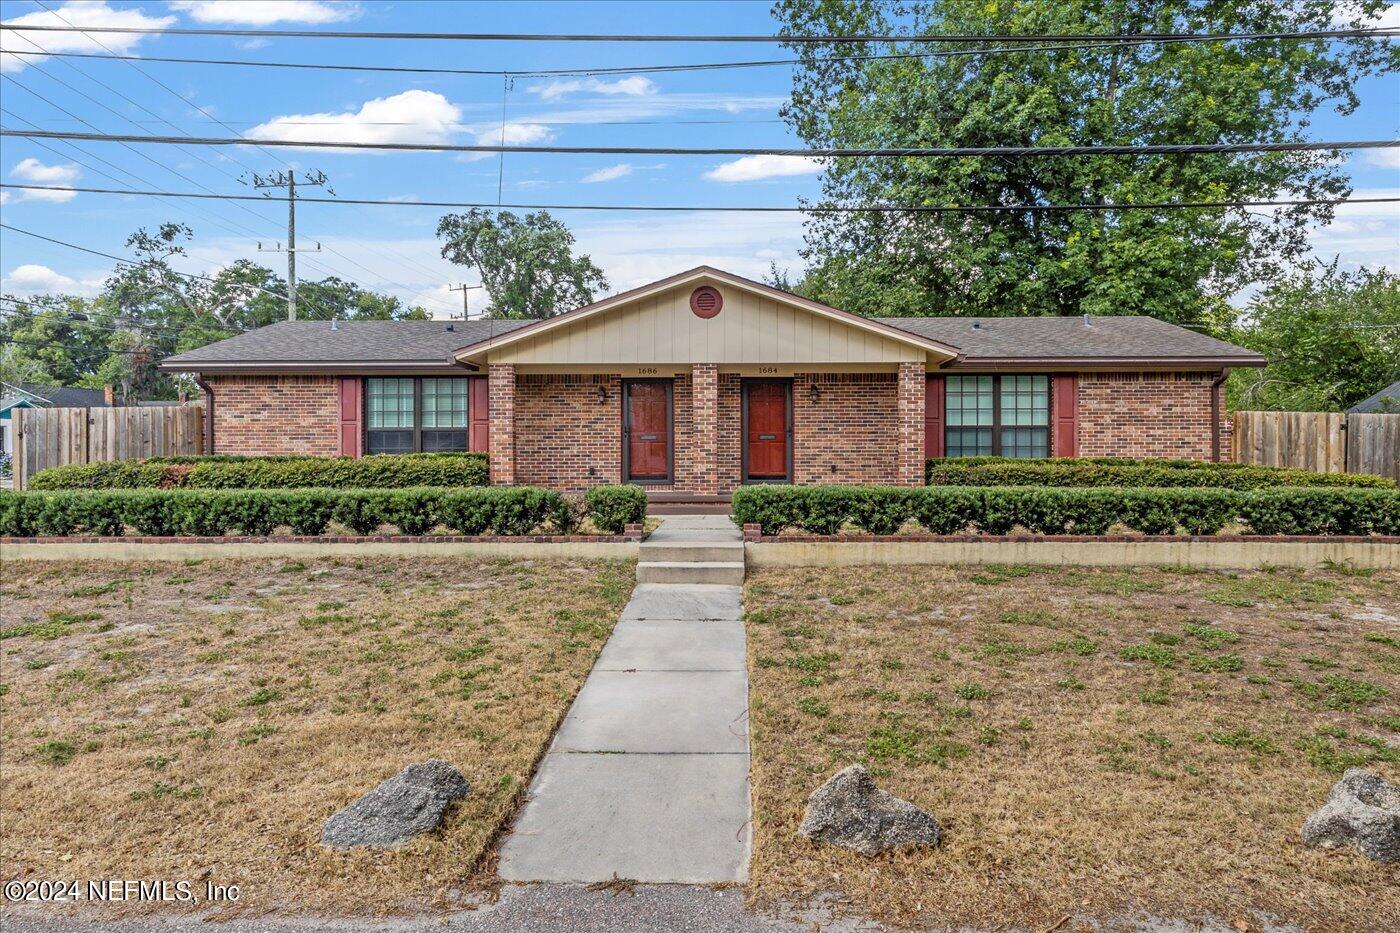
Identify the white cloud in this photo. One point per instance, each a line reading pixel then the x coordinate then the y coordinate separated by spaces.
pixel 1385 158
pixel 1343 13
pixel 34 279
pixel 1362 234
pixel 266 12
pixel 636 86
pixel 74 13
pixel 413 116
pixel 4 197
pixel 756 167
pixel 41 174
pixel 37 173
pixel 611 173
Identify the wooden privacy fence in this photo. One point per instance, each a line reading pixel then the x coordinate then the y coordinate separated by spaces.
pixel 1327 442
pixel 46 437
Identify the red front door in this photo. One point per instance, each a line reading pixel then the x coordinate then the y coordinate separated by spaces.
pixel 767 430
pixel 648 431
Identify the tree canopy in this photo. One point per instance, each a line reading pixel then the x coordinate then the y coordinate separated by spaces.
pixel 1178 265
pixel 1332 338
pixel 527 264
pixel 146 311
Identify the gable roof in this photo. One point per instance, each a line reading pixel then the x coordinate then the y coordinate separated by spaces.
pixel 1386 400
pixel 960 342
pixel 316 344
pixel 1101 339
pixel 52 396
pixel 702 273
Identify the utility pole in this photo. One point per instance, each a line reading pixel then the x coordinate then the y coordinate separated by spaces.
pixel 288 180
pixel 464 288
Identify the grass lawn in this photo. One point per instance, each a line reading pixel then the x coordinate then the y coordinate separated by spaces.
pixel 201 720
pixel 1097 744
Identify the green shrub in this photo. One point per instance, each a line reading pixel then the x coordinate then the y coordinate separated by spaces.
pixel 514 510
pixel 999 510
pixel 1118 471
pixel 613 507
pixel 382 471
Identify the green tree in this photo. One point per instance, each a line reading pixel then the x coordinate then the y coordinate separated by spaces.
pixel 527 264
pixel 1332 338
pixel 148 311
pixel 1179 265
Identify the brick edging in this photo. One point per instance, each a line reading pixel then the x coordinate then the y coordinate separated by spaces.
pixel 752 535
pixel 625 538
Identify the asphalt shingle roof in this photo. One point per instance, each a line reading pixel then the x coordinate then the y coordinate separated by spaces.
pixel 65 396
pixel 1386 400
pixel 348 342
pixel 998 338
pixel 1106 337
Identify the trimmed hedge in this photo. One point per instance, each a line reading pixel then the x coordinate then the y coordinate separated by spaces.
pixel 612 507
pixel 381 471
pixel 945 510
pixel 503 510
pixel 1118 471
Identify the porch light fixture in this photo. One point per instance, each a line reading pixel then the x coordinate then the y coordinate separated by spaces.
pixel 814 394
pixel 602 394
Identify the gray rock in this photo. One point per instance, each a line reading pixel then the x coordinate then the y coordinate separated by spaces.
pixel 1363 810
pixel 850 811
pixel 409 803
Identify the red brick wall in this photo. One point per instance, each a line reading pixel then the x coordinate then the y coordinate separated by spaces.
pixel 729 459
pixel 851 433
pixel 704 404
pixel 1145 415
pixel 276 414
pixel 564 438
pixel 501 389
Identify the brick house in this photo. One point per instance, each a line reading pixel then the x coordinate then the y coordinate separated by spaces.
pixel 703 381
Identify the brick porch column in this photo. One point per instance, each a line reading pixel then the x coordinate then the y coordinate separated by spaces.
pixel 910 468
pixel 502 389
pixel 704 413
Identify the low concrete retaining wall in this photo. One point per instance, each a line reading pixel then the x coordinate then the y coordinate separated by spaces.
pixel 534 547
pixel 1218 553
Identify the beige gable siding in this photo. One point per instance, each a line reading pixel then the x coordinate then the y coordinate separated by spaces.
pixel 750 329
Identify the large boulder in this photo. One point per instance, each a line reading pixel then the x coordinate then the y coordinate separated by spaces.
pixel 1363 810
pixel 409 803
pixel 850 811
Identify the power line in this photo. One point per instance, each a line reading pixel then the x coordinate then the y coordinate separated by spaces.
pixel 86 349
pixel 947 152
pixel 187 101
pixel 124 261
pixel 756 209
pixel 82 319
pixel 1132 38
pixel 663 69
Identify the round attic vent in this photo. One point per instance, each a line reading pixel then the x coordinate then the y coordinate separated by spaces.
pixel 706 302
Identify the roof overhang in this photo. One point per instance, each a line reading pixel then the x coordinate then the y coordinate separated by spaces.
pixel 477 352
pixel 1105 363
pixel 322 367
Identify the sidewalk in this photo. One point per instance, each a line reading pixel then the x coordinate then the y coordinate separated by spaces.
pixel 647 778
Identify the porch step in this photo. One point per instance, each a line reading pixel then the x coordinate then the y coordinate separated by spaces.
pixel 727 572
pixel 687 508
pixel 688 551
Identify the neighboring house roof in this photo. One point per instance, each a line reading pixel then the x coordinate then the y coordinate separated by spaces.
pixel 1386 400
pixel 53 396
pixel 314 344
pixel 1102 339
pixel 1004 342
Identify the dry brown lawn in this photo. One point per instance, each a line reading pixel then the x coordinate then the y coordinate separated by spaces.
pixel 169 721
pixel 1098 745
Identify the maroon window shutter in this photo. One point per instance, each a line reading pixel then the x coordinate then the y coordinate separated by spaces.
pixel 480 408
pixel 934 388
pixel 350 409
pixel 1066 414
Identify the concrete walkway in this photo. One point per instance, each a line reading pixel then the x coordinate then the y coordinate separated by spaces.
pixel 648 777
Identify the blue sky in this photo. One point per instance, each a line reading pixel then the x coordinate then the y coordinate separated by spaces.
pixel 393 248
